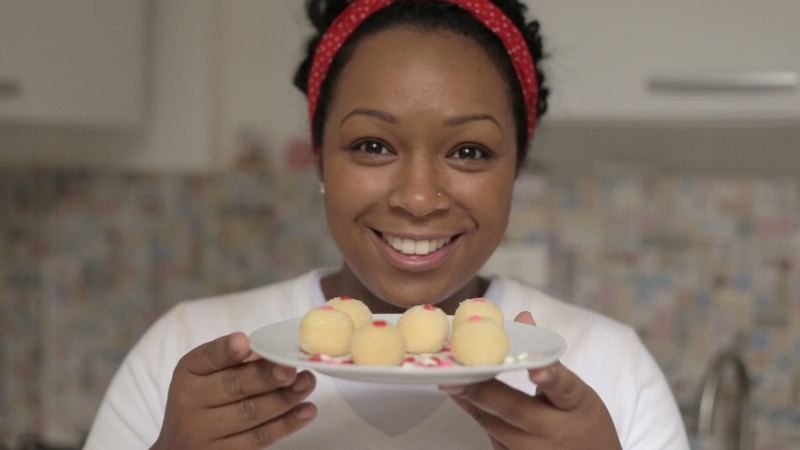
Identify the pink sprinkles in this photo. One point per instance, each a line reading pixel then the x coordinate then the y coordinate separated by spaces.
pixel 327 359
pixel 434 361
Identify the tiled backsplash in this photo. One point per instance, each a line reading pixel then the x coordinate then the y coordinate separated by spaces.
pixel 89 259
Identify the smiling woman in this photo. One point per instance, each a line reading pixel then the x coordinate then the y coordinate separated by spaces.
pixel 421 115
pixel 417 113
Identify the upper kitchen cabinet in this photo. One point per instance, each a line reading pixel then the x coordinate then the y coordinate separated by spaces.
pixel 680 60
pixel 76 62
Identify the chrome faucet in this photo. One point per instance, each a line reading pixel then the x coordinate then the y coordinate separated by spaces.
pixel 737 430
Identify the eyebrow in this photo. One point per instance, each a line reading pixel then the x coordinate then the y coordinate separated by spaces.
pixel 376 113
pixel 461 120
pixel 451 122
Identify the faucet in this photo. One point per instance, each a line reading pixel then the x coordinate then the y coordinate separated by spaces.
pixel 708 421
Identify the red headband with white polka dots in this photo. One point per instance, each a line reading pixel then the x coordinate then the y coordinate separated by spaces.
pixel 484 11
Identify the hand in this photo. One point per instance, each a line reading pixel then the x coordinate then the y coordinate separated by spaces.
pixel 565 413
pixel 224 397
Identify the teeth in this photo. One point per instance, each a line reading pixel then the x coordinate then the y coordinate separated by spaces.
pixel 412 247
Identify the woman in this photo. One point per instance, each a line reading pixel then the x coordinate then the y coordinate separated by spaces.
pixel 421 115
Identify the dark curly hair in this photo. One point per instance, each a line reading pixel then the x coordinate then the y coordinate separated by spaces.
pixel 427 15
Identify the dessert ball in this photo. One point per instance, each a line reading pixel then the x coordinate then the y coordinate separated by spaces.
pixel 356 309
pixel 479 341
pixel 378 344
pixel 326 330
pixel 424 328
pixel 477 307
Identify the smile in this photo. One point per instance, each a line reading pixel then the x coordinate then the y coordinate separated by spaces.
pixel 416 253
pixel 414 247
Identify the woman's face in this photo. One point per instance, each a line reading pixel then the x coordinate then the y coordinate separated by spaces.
pixel 419 161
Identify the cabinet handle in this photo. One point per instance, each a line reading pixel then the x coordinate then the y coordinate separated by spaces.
pixel 732 81
pixel 10 87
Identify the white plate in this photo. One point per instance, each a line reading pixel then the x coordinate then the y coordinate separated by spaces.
pixel 278 342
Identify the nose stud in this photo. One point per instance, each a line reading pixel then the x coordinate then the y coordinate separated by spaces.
pixel 439 194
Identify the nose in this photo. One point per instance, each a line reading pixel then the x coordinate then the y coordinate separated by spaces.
pixel 418 189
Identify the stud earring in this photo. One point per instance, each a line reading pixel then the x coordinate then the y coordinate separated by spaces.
pixel 322 188
pixel 439 194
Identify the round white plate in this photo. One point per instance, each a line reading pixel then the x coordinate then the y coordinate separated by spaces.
pixel 278 342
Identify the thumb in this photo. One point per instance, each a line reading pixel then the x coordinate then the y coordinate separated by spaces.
pixel 525 317
pixel 221 353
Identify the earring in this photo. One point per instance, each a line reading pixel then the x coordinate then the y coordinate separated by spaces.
pixel 439 194
pixel 322 188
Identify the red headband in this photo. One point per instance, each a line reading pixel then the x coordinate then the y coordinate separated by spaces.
pixel 484 11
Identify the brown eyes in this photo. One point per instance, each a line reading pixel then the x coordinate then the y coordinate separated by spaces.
pixel 465 152
pixel 372 147
pixel 470 152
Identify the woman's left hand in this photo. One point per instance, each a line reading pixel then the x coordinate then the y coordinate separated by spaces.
pixel 565 413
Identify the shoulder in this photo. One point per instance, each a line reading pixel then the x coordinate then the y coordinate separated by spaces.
pixel 251 308
pixel 191 323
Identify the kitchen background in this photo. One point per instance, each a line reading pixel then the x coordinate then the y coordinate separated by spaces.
pixel 168 161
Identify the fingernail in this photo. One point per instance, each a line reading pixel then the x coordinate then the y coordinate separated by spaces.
pixel 233 347
pixel 452 389
pixel 542 376
pixel 305 413
pixel 301 384
pixel 280 374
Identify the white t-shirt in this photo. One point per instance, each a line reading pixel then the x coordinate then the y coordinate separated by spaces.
pixel 607 355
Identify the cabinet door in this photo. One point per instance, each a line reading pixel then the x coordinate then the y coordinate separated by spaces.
pixel 634 59
pixel 75 62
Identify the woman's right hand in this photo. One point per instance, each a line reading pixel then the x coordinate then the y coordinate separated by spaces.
pixel 221 397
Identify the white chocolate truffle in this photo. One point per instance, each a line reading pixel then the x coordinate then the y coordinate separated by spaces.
pixel 477 307
pixel 356 309
pixel 378 344
pixel 479 341
pixel 424 328
pixel 326 330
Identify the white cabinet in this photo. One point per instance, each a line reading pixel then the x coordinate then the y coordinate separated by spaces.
pixel 631 59
pixel 72 62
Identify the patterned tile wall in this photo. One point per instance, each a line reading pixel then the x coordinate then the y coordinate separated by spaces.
pixel 88 259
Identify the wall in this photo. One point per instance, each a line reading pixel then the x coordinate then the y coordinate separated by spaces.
pixel 261 47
